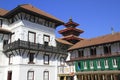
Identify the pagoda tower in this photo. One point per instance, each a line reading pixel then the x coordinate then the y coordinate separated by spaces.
pixel 71 33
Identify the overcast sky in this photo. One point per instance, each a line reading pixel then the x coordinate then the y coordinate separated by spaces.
pixel 96 17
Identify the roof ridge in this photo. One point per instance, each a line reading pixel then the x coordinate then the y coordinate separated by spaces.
pixel 103 36
pixel 108 38
pixel 37 9
pixel 24 4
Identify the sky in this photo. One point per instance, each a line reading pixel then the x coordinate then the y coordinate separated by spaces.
pixel 96 17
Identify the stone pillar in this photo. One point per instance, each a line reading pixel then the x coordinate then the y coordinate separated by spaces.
pixel 64 77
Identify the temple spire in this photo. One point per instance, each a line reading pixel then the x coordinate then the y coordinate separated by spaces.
pixel 71 33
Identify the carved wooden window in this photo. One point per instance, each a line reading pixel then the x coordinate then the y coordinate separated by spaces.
pixel 46 59
pixel 30 75
pixel 46 75
pixel 46 40
pixel 80 53
pixel 1 22
pixel 31 58
pixel 31 36
pixel 93 51
pixel 107 49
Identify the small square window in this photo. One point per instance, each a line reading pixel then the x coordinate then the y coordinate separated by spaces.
pixel 46 59
pixel 30 75
pixel 62 60
pixel 46 39
pixel 31 58
pixel 31 36
pixel 46 75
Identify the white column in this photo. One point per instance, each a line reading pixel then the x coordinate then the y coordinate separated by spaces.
pixel 75 77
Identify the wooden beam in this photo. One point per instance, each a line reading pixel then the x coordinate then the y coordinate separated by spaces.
pixel 58 56
pixel 54 56
pixel 37 54
pixel 16 52
pixel 23 52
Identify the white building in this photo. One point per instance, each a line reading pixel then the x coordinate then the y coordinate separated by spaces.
pixel 28 49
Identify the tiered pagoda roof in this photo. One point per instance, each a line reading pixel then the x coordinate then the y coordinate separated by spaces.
pixel 71 30
pixel 71 33
pixel 71 23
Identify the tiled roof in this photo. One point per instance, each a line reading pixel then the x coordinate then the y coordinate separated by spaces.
pixel 63 41
pixel 3 12
pixel 5 31
pixel 71 29
pixel 34 10
pixel 71 23
pixel 96 41
pixel 71 37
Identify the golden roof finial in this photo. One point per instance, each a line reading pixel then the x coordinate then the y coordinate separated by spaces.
pixel 70 19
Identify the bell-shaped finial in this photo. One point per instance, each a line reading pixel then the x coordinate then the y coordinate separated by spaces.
pixel 70 19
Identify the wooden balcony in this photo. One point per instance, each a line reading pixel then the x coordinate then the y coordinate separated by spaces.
pixel 63 70
pixel 19 44
pixel 96 56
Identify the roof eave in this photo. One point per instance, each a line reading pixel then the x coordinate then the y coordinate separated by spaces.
pixel 18 9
